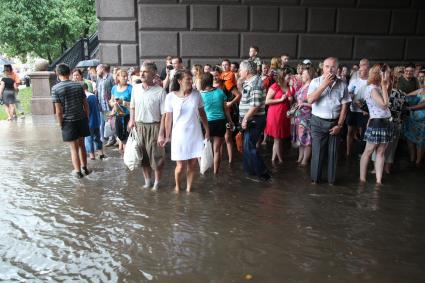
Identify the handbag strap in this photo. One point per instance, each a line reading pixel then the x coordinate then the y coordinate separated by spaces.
pixel 135 135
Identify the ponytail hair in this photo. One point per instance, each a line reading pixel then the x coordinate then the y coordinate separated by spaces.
pixel 178 76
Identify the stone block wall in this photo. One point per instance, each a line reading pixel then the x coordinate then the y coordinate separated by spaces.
pixel 205 31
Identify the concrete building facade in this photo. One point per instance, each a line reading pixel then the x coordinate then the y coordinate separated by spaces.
pixel 205 31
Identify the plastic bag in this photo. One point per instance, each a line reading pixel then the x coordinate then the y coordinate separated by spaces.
pixel 239 142
pixel 132 154
pixel 207 158
pixel 108 132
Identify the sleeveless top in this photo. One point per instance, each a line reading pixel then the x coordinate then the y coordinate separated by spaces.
pixel 375 111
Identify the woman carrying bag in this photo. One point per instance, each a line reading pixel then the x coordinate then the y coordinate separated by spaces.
pixel 120 103
pixel 184 108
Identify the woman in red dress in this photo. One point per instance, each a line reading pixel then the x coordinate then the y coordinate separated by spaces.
pixel 278 125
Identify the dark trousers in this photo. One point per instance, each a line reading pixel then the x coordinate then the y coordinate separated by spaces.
pixel 253 163
pixel 323 145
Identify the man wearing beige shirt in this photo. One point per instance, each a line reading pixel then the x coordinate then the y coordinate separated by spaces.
pixel 147 115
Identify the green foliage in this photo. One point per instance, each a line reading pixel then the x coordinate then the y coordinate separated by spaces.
pixel 45 28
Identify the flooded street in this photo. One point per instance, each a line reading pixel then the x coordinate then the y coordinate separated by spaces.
pixel 107 228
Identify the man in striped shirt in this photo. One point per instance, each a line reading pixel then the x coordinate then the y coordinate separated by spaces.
pixel 253 119
pixel 72 112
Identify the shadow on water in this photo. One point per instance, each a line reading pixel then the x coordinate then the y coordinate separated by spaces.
pixel 107 228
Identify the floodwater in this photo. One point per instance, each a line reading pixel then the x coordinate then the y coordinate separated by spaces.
pixel 107 228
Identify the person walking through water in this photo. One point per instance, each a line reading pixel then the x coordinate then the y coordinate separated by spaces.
pixel 218 114
pixel 72 111
pixel 147 115
pixel 184 108
pixel 8 92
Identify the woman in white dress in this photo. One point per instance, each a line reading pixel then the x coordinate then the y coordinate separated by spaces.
pixel 184 110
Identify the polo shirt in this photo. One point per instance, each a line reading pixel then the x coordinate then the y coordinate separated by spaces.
pixel 252 96
pixel 148 104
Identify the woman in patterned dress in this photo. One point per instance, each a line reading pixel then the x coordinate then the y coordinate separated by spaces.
pixel 414 129
pixel 302 118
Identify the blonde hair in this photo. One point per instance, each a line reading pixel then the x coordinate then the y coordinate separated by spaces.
pixel 375 75
pixel 275 63
pixel 199 70
pixel 119 74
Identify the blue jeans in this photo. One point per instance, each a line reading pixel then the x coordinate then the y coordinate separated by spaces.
pixel 102 125
pixel 253 163
pixel 93 141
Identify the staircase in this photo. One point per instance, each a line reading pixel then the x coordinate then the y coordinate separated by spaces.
pixel 83 49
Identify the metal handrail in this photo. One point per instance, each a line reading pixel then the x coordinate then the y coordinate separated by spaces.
pixel 93 43
pixel 77 52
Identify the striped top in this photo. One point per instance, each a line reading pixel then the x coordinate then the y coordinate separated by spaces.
pixel 71 95
pixel 252 96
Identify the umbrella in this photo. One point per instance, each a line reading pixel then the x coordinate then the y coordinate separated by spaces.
pixel 4 61
pixel 88 63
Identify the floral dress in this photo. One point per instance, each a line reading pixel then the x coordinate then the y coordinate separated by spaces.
pixel 302 118
pixel 414 127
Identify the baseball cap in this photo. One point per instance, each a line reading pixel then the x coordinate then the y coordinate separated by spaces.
pixel 307 62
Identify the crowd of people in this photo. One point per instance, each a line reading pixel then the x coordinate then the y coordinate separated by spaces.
pixel 244 105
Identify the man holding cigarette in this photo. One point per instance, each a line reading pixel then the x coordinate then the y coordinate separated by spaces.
pixel 329 98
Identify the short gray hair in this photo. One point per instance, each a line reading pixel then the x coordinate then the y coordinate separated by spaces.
pixel 150 65
pixel 249 66
pixel 332 59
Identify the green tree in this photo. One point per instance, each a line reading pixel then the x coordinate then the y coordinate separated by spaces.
pixel 45 28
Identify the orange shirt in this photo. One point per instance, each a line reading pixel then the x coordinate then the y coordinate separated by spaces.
pixel 16 78
pixel 229 80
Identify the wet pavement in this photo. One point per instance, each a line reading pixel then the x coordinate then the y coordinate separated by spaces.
pixel 107 228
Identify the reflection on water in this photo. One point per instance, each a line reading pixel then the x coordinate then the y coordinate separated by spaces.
pixel 106 228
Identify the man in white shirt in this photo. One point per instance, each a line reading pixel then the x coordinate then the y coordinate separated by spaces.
pixel 356 120
pixel 147 115
pixel 329 98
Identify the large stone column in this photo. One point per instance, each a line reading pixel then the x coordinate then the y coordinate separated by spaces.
pixel 41 102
